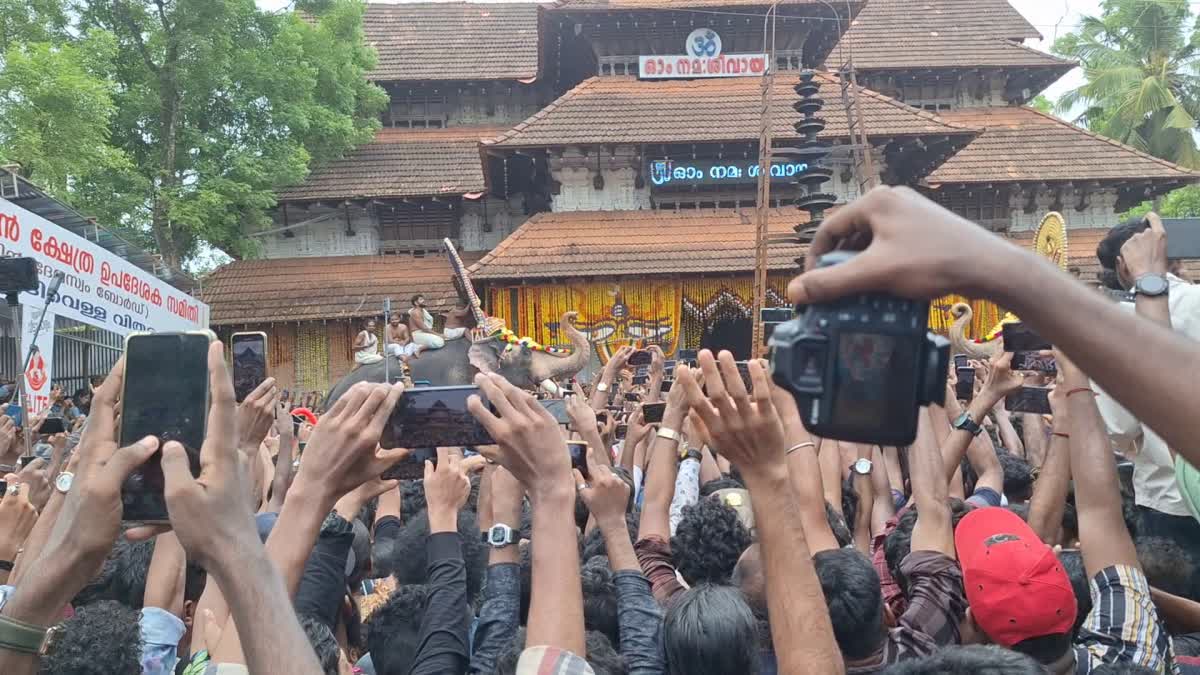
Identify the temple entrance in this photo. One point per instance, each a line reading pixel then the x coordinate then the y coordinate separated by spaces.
pixel 735 335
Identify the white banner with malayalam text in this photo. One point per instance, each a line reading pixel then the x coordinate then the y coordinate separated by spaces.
pixel 99 288
pixel 40 370
pixel 683 66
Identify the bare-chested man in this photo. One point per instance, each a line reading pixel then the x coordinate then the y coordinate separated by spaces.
pixel 399 342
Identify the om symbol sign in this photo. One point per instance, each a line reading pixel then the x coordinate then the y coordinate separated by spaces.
pixel 704 43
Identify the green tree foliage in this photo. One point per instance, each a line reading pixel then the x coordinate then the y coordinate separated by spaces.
pixel 1142 84
pixel 1042 104
pixel 1181 203
pixel 208 106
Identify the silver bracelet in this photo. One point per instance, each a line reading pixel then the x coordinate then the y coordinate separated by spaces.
pixel 805 444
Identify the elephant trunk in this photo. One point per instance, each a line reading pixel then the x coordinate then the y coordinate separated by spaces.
pixel 554 367
pixel 959 341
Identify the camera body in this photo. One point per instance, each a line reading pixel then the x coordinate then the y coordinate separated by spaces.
pixel 860 368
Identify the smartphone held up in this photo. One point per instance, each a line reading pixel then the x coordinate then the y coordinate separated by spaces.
pixel 171 408
pixel 249 362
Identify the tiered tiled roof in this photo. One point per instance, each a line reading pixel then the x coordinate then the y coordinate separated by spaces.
pixel 627 110
pixel 1022 144
pixel 613 243
pixel 454 40
pixel 686 4
pixel 346 287
pixel 925 34
pixel 402 163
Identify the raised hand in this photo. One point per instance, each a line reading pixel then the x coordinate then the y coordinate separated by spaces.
pixel 606 495
pixel 256 414
pixel 744 425
pixel 8 434
pixel 212 515
pixel 528 441
pixel 17 518
pixel 582 416
pixel 34 478
pixel 344 452
pixel 446 489
pixel 1146 251
pixel 1002 380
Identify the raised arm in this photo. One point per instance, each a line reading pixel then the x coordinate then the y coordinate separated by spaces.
pixel 500 615
pixel 1049 498
pixel 530 446
pixel 662 465
pixel 866 500
pixel 608 378
pixel 933 530
pixel 1000 382
pixel 804 473
pixel 884 505
pixel 747 429
pixel 1146 253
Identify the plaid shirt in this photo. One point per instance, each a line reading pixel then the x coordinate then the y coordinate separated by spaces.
pixel 936 605
pixel 893 597
pixel 1124 626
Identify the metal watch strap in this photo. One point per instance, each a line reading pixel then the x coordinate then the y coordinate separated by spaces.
pixel 19 636
pixel 669 434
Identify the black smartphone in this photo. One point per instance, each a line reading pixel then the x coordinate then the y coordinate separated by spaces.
pixel 249 362
pixel 3 487
pixel 165 394
pixel 431 417
pixel 633 396
pixel 641 379
pixel 26 460
pixel 52 425
pixel 601 418
pixel 1019 337
pixel 412 467
pixel 961 361
pixel 1029 400
pixel 1036 361
pixel 666 386
pixel 641 357
pixel 652 413
pixel 622 431
pixel 688 356
pixel 558 408
pixel 964 388
pixel 578 450
pixel 1183 238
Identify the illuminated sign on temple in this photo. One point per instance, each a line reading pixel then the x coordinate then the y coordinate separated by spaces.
pixel 664 172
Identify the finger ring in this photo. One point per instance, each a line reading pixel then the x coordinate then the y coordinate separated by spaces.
pixel 14 489
pixel 582 486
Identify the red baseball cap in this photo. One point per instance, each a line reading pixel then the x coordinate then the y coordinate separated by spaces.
pixel 1015 584
pixel 305 415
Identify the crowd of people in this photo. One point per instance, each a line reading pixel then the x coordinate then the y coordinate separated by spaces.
pixel 723 539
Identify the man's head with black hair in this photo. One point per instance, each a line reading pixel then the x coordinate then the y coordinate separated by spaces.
pixel 722 483
pixel 898 543
pixel 410 563
pixel 102 638
pixel 593 542
pixel 709 629
pixel 1018 478
pixel 849 500
pixel 1072 562
pixel 132 566
pixel 412 499
pixel 601 655
pixel 708 541
pixel 600 598
pixel 855 601
pixel 323 643
pixel 1167 565
pixel 1109 250
pixel 975 659
pixel 394 630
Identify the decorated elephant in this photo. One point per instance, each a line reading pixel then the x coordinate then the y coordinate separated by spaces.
pixel 520 362
pixel 982 350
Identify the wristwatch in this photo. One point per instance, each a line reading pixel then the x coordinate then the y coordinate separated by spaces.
pixel 602 387
pixel 1151 285
pixel 686 452
pixel 965 423
pixel 499 536
pixel 28 638
pixel 63 482
pixel 862 466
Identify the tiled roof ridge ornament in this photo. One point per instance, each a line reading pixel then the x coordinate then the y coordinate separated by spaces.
pixel 812 152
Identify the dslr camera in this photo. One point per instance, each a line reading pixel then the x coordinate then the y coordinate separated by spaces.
pixel 860 368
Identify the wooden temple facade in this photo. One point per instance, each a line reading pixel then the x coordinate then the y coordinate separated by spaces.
pixel 573 178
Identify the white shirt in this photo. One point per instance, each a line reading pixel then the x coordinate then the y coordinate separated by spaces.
pixel 1153 470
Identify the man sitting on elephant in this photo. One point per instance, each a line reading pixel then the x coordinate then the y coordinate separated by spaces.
pixel 366 345
pixel 420 324
pixel 399 341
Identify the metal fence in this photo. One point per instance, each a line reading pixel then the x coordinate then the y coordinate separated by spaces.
pixel 81 352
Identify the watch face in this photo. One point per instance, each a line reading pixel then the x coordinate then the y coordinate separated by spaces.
pixel 63 482
pixel 499 536
pixel 1152 284
pixel 863 465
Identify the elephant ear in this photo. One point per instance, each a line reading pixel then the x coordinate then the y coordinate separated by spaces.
pixel 485 356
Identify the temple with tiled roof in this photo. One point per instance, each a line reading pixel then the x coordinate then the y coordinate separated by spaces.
pixel 601 156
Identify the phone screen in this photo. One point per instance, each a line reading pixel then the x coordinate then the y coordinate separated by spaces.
pixel 165 395
pixel 249 362
pixel 961 361
pixel 1019 337
pixel 430 417
pixel 1029 400
pixel 652 413
pixel 622 431
pixel 558 408
pixel 13 411
pixel 964 389
pixel 412 467
pixel 52 425
pixel 1042 363
pixel 874 371
pixel 641 358
pixel 578 450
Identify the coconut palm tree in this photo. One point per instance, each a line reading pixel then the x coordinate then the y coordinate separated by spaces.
pixel 1142 76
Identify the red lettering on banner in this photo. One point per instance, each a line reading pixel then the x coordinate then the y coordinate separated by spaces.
pixel 130 284
pixel 62 251
pixel 10 227
pixel 724 65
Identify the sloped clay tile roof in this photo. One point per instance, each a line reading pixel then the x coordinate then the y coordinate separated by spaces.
pixel 612 243
pixel 344 287
pixel 627 110
pixel 903 34
pixel 685 4
pixel 402 163
pixel 1022 144
pixel 453 41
